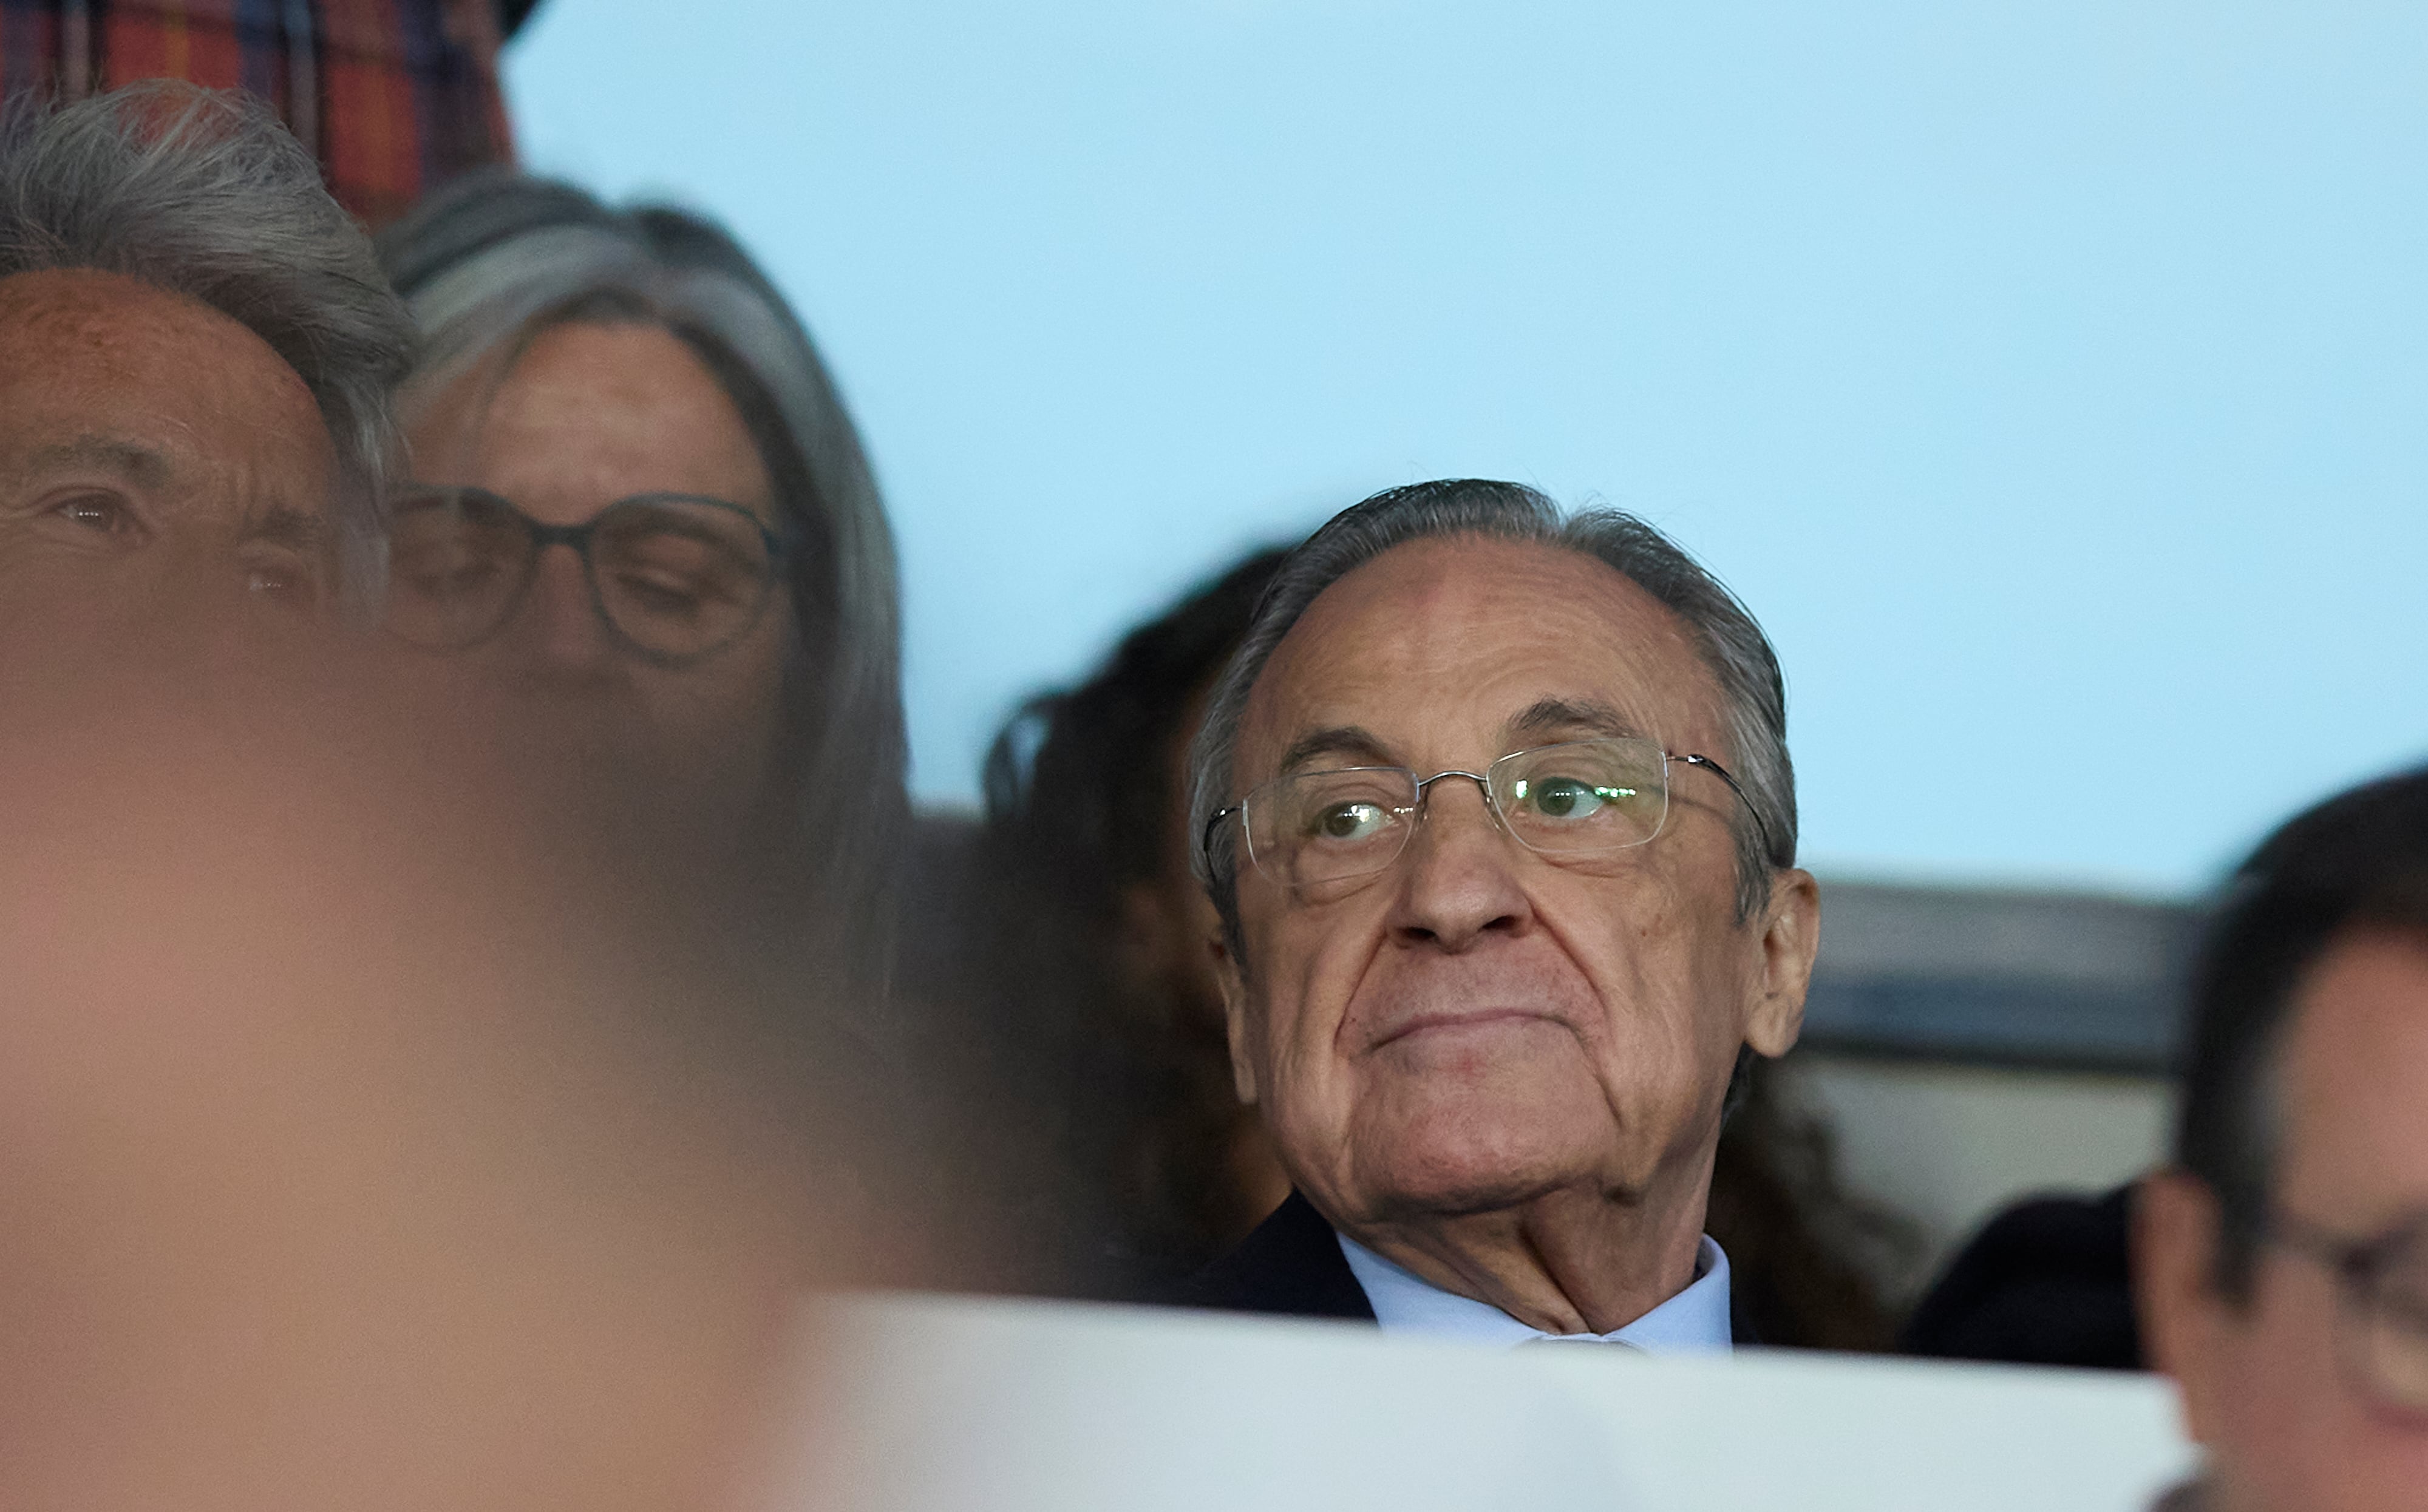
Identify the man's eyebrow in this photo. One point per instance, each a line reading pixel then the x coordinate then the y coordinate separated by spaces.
pixel 1575 719
pixel 1352 741
pixel 283 525
pixel 137 465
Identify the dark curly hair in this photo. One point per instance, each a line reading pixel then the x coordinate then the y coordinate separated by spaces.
pixel 1079 799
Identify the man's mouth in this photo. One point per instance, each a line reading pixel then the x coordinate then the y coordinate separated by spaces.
pixel 1459 1021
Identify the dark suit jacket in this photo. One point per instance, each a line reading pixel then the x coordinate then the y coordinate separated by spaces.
pixel 1291 1266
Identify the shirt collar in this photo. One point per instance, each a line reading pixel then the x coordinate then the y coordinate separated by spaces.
pixel 1695 1322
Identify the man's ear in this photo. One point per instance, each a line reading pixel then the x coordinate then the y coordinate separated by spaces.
pixel 1791 933
pixel 2175 1296
pixel 1235 1016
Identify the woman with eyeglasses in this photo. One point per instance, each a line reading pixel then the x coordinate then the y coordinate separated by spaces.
pixel 641 521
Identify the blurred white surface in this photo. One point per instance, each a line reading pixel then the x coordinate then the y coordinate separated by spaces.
pixel 954 1404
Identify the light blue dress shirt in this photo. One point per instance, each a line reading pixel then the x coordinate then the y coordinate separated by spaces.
pixel 1695 1322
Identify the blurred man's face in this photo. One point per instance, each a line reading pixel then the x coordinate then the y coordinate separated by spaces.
pixel 153 454
pixel 2270 1384
pixel 1478 1025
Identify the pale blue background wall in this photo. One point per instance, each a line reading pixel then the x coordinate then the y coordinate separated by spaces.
pixel 2049 377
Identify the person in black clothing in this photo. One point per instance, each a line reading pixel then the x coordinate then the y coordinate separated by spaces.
pixel 2045 1282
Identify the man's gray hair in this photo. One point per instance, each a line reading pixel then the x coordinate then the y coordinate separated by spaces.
pixel 1753 696
pixel 496 259
pixel 205 195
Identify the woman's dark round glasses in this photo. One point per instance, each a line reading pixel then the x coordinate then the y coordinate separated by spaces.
pixel 674 578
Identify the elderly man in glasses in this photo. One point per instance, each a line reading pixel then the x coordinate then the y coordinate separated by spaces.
pixel 1497 809
pixel 2282 1260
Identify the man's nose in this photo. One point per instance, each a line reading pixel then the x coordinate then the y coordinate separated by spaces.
pixel 557 629
pixel 1459 883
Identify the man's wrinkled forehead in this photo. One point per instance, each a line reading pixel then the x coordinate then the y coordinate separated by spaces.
pixel 143 384
pixel 1446 643
pixel 50 313
pixel 117 322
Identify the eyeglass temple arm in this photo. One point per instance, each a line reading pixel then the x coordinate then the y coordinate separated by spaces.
pixel 1206 837
pixel 1722 772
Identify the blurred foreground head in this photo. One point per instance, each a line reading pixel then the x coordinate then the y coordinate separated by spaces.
pixel 641 514
pixel 2282 1262
pixel 365 1141
pixel 196 351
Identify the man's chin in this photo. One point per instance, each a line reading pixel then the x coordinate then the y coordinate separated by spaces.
pixel 1467 1159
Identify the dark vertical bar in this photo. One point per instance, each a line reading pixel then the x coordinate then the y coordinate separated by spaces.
pixel 25 52
pixel 304 76
pixel 77 64
pixel 426 55
pixel 260 49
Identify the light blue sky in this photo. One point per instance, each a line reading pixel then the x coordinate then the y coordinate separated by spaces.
pixel 2048 377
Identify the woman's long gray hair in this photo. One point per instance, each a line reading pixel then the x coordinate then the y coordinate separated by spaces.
pixel 489 263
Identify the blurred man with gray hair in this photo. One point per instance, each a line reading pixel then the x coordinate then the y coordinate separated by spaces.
pixel 196 351
pixel 1496 807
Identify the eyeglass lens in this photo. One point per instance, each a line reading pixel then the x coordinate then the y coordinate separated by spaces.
pixel 1577 798
pixel 677 577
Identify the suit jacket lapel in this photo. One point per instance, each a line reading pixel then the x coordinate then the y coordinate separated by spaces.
pixel 1291 1266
